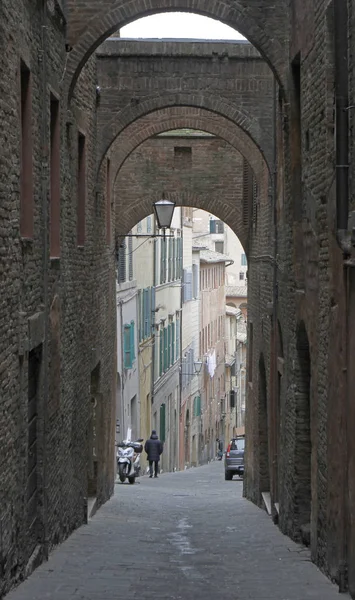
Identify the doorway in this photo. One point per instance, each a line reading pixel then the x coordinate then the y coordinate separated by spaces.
pixel 303 449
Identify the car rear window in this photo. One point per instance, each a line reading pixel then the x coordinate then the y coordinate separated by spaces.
pixel 238 444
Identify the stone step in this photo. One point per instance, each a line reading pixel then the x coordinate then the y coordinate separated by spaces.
pixel 267 501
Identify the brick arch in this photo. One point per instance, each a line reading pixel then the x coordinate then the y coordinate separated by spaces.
pixel 133 214
pixel 212 103
pixel 267 34
pixel 192 118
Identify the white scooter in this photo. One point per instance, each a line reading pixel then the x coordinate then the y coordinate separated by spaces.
pixel 128 460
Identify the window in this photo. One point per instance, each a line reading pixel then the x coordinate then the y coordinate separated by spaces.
pixel 187 286
pixel 26 168
pixel 173 356
pixel 170 260
pixel 108 201
pixel 149 224
pixel 161 352
pixel 169 345
pixel 243 260
pixel 182 157
pixel 128 345
pixel 216 226
pixel 54 179
pixel 163 257
pixel 177 336
pixel 179 258
pixel 166 349
pixel 81 189
pixel 238 444
pixel 195 281
pixel 241 276
pixel 130 258
pixel 174 259
pixel 162 423
pixel 122 263
pixel 219 247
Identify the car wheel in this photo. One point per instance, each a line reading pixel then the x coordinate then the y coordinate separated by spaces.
pixel 228 476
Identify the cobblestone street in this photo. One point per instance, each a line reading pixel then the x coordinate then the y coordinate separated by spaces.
pixel 184 536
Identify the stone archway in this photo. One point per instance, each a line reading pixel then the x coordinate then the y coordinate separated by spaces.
pixel 165 119
pixel 90 26
pixel 132 140
pixel 237 117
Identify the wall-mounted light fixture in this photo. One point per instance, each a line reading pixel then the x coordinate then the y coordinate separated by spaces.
pixel 164 212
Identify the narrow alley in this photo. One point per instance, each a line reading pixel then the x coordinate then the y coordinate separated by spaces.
pixel 186 535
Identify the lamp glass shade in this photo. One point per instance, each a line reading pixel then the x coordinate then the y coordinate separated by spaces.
pixel 164 210
pixel 198 366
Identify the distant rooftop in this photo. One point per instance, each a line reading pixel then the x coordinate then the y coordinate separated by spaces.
pixel 236 291
pixel 185 132
pixel 225 49
pixel 209 256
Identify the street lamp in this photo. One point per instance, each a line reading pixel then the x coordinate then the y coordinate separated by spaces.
pixel 164 210
pixel 198 366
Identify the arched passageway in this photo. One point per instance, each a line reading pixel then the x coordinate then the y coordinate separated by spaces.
pixel 180 117
pixel 91 26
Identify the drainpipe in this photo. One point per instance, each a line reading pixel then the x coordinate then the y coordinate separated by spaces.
pixel 274 373
pixel 344 239
pixel 123 431
pixel 42 59
pixel 152 377
pixel 180 324
pixel 342 123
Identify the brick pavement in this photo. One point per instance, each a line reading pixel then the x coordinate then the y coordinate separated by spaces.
pixel 187 535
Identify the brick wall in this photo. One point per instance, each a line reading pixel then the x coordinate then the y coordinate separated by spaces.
pixel 62 307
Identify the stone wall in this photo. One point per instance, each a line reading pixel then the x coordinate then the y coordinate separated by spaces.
pixel 56 311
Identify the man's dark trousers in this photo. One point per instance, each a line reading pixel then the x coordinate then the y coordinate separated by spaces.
pixel 156 464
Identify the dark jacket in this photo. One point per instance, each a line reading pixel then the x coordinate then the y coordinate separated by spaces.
pixel 153 447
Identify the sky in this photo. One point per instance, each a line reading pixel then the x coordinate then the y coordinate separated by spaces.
pixel 179 25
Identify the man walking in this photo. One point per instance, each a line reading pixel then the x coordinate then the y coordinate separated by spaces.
pixel 154 448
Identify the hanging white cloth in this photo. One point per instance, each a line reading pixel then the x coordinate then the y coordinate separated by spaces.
pixel 211 363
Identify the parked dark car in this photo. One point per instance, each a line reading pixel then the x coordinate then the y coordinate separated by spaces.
pixel 234 458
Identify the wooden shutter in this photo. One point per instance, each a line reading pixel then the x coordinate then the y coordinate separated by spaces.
pixel 165 348
pixel 161 352
pixel 130 258
pixel 126 347
pixel 195 281
pixel 162 423
pixel 132 343
pixel 172 343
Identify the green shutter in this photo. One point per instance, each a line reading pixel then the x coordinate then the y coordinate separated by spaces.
pixel 162 423
pixel 161 260
pixel 177 338
pixel 140 315
pixel 132 344
pixel 165 349
pixel 169 345
pixel 172 343
pixel 174 258
pixel 127 358
pixel 161 353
